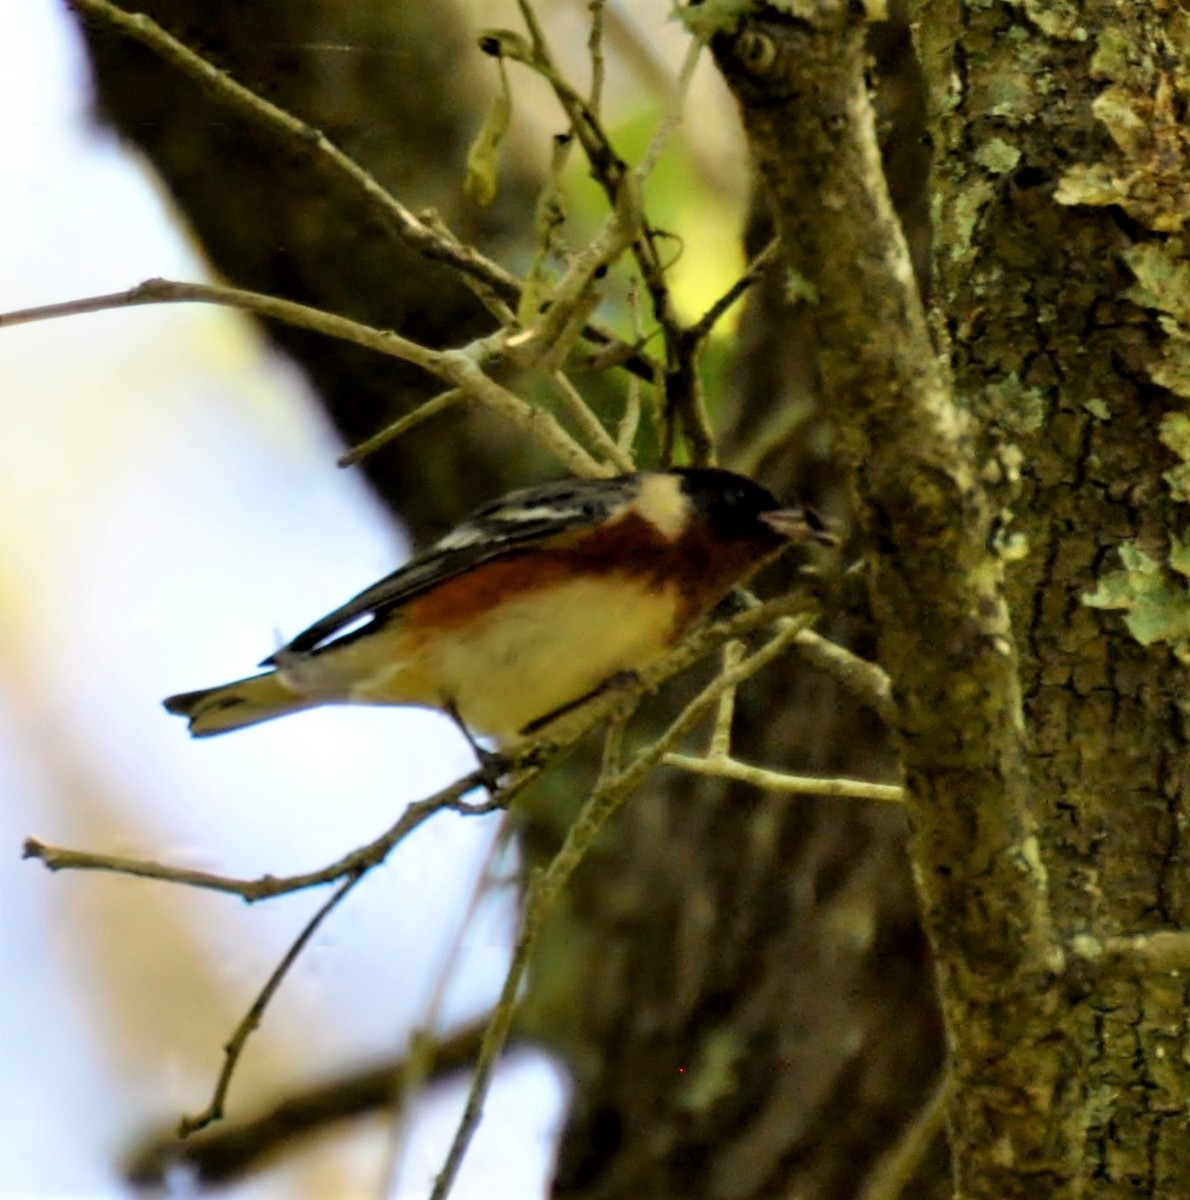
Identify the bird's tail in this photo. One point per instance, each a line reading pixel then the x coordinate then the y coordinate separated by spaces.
pixel 234 705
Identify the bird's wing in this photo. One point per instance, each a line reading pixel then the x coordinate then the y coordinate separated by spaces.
pixel 514 522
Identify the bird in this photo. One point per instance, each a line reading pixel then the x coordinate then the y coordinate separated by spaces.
pixel 530 606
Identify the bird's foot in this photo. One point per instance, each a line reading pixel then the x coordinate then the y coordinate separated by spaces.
pixel 493 767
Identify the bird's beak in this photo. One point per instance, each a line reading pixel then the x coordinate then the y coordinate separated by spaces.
pixel 799 525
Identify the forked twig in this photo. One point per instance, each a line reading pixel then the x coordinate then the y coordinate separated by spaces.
pixel 265 887
pixel 352 867
pixel 229 1151
pixel 234 1047
pixel 460 367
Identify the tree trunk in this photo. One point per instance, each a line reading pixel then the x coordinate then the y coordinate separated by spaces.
pixel 1041 737
pixel 1061 171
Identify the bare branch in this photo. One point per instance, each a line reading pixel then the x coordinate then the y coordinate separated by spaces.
pixel 720 743
pixel 423 412
pixel 1166 950
pixel 611 790
pixel 458 367
pixel 595 49
pixel 424 1044
pixel 267 886
pixel 548 339
pixel 236 1148
pixel 683 398
pixel 234 1049
pixel 701 329
pixel 592 427
pixel 528 764
pixel 416 234
pixel 863 679
pixel 426 237
pixel 778 781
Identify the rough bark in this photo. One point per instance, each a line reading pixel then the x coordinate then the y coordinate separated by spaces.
pixel 1061 176
pixel 1039 739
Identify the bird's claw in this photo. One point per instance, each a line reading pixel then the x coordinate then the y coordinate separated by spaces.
pixel 493 767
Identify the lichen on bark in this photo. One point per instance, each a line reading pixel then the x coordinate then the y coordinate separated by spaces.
pixel 1068 283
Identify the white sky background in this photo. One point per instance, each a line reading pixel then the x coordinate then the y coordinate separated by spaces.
pixel 169 505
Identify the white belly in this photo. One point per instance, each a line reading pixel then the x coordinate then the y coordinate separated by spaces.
pixel 547 652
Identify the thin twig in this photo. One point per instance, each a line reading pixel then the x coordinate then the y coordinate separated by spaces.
pixel 636 51
pixel 895 1170
pixel 683 391
pixel 701 329
pixel 683 398
pixel 725 767
pixel 788 631
pixel 548 218
pixel 536 758
pixel 266 887
pixel 222 86
pixel 465 373
pixel 234 1048
pixel 720 744
pixel 458 367
pixel 1163 951
pixel 590 424
pixel 584 120
pixel 547 340
pixel 496 304
pixel 421 1055
pixel 401 426
pixel 429 242
pixel 172 291
pixel 694 648
pixel 494 1038
pixel 230 1151
pixel 683 394
pixel 595 49
pixel 673 115
pixel 630 418
pixel 613 748
pixel 863 679
pixel 612 789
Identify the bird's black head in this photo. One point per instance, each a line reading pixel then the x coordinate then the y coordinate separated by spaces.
pixel 735 506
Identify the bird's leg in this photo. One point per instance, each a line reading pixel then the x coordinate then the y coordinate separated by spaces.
pixel 493 765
